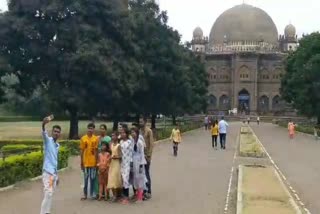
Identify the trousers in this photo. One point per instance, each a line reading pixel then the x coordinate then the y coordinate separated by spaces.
pixel 49 184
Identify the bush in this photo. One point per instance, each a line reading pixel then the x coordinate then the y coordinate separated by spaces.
pixel 20 167
pixel 72 145
pixel 18 149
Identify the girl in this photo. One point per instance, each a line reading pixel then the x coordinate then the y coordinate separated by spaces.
pixel 126 163
pixel 176 138
pixel 291 129
pixel 115 180
pixel 139 163
pixel 214 134
pixel 103 166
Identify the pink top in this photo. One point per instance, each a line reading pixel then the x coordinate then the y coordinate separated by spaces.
pixel 291 128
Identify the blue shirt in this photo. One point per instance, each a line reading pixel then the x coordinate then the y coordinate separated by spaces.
pixel 223 125
pixel 51 150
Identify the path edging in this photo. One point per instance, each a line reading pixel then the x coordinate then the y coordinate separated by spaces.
pixel 3 189
pixel 239 190
pixel 292 201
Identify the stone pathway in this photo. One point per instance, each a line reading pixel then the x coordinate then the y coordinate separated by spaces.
pixel 299 161
pixel 196 182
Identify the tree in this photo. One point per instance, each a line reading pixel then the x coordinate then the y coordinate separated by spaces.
pixel 76 51
pixel 301 83
pixel 174 80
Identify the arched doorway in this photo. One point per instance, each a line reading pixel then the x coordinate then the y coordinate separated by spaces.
pixel 244 101
pixel 212 101
pixel 263 104
pixel 224 103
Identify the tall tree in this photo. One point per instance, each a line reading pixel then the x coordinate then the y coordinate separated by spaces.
pixel 75 50
pixel 173 78
pixel 301 83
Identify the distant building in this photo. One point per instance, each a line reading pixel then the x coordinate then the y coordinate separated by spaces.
pixel 244 59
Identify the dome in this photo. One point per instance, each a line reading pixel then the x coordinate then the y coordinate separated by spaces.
pixel 244 23
pixel 197 33
pixel 290 31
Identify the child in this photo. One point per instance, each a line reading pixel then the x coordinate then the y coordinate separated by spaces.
pixel 176 138
pixel 115 182
pixel 139 163
pixel 103 165
pixel 214 134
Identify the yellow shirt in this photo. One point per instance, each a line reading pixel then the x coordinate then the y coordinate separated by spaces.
pixel 89 147
pixel 214 129
pixel 176 135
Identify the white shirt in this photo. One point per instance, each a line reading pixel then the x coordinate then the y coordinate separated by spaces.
pixel 223 125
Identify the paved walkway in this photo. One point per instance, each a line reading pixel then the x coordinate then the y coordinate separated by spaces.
pixel 196 182
pixel 299 161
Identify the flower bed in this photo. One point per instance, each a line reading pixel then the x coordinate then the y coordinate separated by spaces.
pixel 249 145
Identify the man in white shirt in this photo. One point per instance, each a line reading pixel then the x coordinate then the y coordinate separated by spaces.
pixel 206 122
pixel 223 126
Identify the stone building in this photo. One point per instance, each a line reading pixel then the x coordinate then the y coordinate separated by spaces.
pixel 244 59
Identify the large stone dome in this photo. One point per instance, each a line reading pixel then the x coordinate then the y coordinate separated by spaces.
pixel 243 23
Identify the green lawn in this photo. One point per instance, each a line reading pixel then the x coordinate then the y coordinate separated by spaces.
pixel 32 130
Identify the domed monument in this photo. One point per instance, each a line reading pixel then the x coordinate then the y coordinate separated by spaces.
pixel 244 60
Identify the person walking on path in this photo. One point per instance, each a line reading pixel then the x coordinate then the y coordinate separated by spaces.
pixel 248 120
pixel 206 122
pixel 176 139
pixel 50 164
pixel 223 126
pixel 214 134
pixel 89 156
pixel 291 129
pixel 148 139
pixel 315 131
pixel 103 166
pixel 258 120
pixel 126 162
pixel 139 163
pixel 114 178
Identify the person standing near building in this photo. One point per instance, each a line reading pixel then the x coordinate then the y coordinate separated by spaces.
pixel 50 164
pixel 206 122
pixel 291 129
pixel 223 126
pixel 148 139
pixel 89 157
pixel 214 134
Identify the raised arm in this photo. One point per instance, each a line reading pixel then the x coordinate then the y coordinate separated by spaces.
pixel 44 132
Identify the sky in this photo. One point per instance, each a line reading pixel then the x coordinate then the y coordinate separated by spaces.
pixel 185 15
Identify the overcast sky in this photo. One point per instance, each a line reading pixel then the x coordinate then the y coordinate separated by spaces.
pixel 185 15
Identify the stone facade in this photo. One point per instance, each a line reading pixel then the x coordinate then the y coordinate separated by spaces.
pixel 245 73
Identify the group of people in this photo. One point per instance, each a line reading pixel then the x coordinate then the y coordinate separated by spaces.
pixel 218 128
pixel 110 165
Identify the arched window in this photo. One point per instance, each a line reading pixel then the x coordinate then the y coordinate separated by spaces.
pixel 224 103
pixel 212 101
pixel 244 73
pixel 277 103
pixel 263 103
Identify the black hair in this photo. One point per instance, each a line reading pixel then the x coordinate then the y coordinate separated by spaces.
pixel 104 126
pixel 124 125
pixel 216 122
pixel 145 119
pixel 136 130
pixel 56 127
pixel 126 130
pixel 222 118
pixel 91 125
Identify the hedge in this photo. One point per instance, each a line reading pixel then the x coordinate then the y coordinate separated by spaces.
pixel 11 149
pixel 20 167
pixel 72 145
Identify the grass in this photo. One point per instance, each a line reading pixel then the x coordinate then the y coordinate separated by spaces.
pixel 249 146
pixel 263 193
pixel 304 128
pixel 32 130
